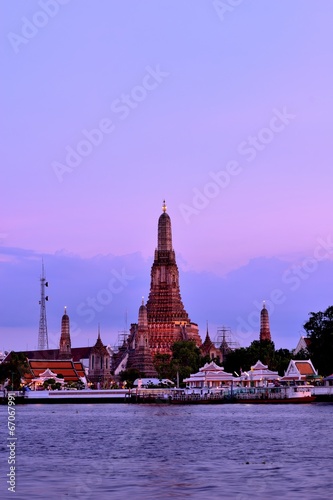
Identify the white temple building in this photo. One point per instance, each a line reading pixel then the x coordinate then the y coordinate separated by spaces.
pixel 258 376
pixel 300 370
pixel 210 376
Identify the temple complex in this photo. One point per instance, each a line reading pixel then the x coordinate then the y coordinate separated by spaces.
pixel 88 364
pixel 161 322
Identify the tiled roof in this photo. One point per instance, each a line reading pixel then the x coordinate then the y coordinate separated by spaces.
pixel 79 368
pixel 259 366
pixel 77 353
pixel 207 344
pixel 211 367
pixel 65 368
pixel 304 368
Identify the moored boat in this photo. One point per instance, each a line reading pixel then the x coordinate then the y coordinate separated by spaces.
pixel 283 394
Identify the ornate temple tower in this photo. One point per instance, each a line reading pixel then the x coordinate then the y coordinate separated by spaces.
pixel 65 338
pixel 265 333
pixel 99 363
pixel 168 321
pixel 208 348
pixel 140 357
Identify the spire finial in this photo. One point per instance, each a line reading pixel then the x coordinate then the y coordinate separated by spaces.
pixel 99 331
pixel 143 301
pixel 263 304
pixel 164 207
pixel 65 310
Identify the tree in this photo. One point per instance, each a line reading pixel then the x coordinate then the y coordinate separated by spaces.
pixel 129 376
pixel 162 363
pixel 302 354
pixel 185 359
pixel 51 384
pixel 280 361
pixel 14 370
pixel 319 328
pixel 245 357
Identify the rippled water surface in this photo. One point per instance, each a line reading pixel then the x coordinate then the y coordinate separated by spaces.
pixel 162 452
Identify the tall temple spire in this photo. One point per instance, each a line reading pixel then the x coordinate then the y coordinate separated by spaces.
pixel 164 236
pixel 140 358
pixel 167 318
pixel 265 333
pixel 65 338
pixel 143 319
pixel 43 342
pixel 164 301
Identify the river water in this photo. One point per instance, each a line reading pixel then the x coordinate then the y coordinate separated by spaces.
pixel 161 452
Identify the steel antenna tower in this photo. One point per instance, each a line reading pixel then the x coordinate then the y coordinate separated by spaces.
pixel 43 341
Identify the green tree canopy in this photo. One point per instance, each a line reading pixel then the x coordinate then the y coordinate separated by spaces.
pixel 14 369
pixel 129 376
pixel 245 357
pixel 186 358
pixel 319 328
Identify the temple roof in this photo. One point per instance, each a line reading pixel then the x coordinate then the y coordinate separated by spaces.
pixel 99 347
pixel 299 369
pixel 305 368
pixel 207 343
pixel 259 366
pixel 77 353
pixel 63 367
pixel 210 371
pixel 209 367
pixel 143 318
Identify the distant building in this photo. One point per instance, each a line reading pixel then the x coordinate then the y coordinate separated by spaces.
pixel 265 333
pixel 259 375
pixel 42 369
pixel 214 351
pixel 208 348
pixel 210 376
pixel 300 371
pixel 303 345
pixel 140 356
pixel 99 363
pixel 72 362
pixel 65 338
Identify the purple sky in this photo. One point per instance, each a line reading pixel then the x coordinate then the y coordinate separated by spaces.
pixel 226 115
